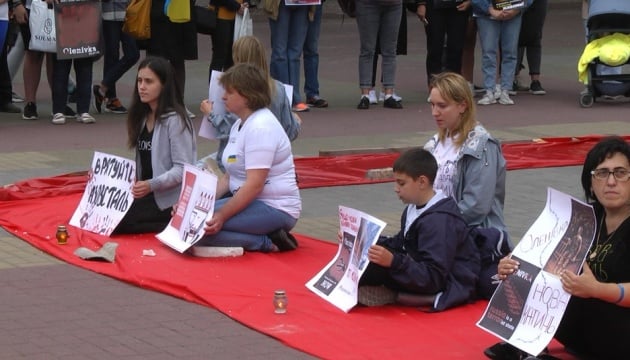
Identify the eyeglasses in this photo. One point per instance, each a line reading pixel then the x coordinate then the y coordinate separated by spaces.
pixel 620 174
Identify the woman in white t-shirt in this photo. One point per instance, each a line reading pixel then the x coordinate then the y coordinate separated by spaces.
pixel 471 167
pixel 259 201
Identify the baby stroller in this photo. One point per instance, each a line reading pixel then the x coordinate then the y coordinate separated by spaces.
pixel 602 65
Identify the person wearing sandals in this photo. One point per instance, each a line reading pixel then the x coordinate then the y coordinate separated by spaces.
pixel 258 197
pixel 596 322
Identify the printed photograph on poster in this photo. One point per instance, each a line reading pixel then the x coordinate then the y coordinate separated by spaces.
pixel 528 306
pixel 194 207
pixel 302 2
pixel 331 277
pixel 508 4
pixel 78 27
pixel 338 281
pixel 107 196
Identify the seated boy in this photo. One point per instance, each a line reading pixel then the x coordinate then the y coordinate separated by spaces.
pixel 433 261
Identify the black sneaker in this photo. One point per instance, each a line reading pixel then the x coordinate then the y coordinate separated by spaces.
pixel 364 103
pixel 98 98
pixel 283 240
pixel 30 111
pixel 536 89
pixel 391 103
pixel 115 106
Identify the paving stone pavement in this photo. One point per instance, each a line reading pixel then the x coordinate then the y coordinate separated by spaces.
pixel 52 310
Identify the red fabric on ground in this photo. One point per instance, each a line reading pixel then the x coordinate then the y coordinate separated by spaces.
pixel 242 288
pixel 344 170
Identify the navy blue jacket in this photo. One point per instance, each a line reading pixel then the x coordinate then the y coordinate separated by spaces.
pixel 437 255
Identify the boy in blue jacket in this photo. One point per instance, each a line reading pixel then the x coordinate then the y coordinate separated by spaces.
pixel 432 262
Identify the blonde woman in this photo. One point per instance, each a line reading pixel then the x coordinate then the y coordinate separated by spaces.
pixel 471 164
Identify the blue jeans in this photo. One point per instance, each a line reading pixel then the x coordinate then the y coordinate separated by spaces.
pixel 382 22
pixel 83 74
pixel 114 67
pixel 495 35
pixel 288 34
pixel 311 55
pixel 249 228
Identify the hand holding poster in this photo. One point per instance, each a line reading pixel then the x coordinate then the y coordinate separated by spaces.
pixel 107 195
pixel 215 97
pixel 194 207
pixel 338 281
pixel 528 305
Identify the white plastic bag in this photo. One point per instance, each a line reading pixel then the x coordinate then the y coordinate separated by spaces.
pixel 42 25
pixel 243 25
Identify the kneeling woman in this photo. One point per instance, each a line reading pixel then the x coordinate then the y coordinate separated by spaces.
pixel 263 201
pixel 164 140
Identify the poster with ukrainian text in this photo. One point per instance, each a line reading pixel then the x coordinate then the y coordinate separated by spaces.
pixel 194 207
pixel 107 195
pixel 338 281
pixel 528 305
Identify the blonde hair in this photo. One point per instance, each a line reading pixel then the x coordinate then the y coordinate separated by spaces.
pixel 454 88
pixel 249 50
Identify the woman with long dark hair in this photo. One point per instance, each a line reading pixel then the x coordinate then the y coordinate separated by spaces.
pixel 164 140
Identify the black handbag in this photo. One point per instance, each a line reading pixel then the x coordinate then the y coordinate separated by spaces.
pixel 205 19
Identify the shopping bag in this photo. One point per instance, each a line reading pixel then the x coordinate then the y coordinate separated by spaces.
pixel 177 11
pixel 243 25
pixel 42 25
pixel 78 25
pixel 138 19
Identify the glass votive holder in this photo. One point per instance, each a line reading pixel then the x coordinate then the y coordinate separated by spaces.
pixel 280 302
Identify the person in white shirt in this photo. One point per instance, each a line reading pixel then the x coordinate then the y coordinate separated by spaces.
pixel 259 200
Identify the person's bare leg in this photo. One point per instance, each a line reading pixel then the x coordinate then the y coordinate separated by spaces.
pixel 31 74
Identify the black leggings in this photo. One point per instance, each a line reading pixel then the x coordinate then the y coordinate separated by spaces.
pixel 531 35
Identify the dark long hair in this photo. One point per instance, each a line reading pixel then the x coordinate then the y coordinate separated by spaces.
pixel 604 149
pixel 170 99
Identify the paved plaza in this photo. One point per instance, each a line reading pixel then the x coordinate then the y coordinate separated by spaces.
pixel 52 310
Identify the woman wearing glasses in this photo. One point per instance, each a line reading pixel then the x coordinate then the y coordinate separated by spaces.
pixel 596 324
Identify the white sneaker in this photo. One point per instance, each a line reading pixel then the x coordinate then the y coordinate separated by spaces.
pixel 504 98
pixel 190 114
pixel 372 97
pixel 86 118
pixel 487 99
pixel 381 97
pixel 497 91
pixel 58 119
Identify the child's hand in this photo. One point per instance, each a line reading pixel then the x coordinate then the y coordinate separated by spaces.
pixel 206 107
pixel 380 256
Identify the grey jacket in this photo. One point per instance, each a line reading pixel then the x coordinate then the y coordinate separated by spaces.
pixel 480 185
pixel 172 146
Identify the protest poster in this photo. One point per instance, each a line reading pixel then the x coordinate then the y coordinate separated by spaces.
pixel 528 305
pixel 78 27
pixel 215 96
pixel 194 207
pixel 302 2
pixel 107 195
pixel 338 281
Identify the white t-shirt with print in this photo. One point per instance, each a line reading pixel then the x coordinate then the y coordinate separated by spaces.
pixel 261 143
pixel 445 153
